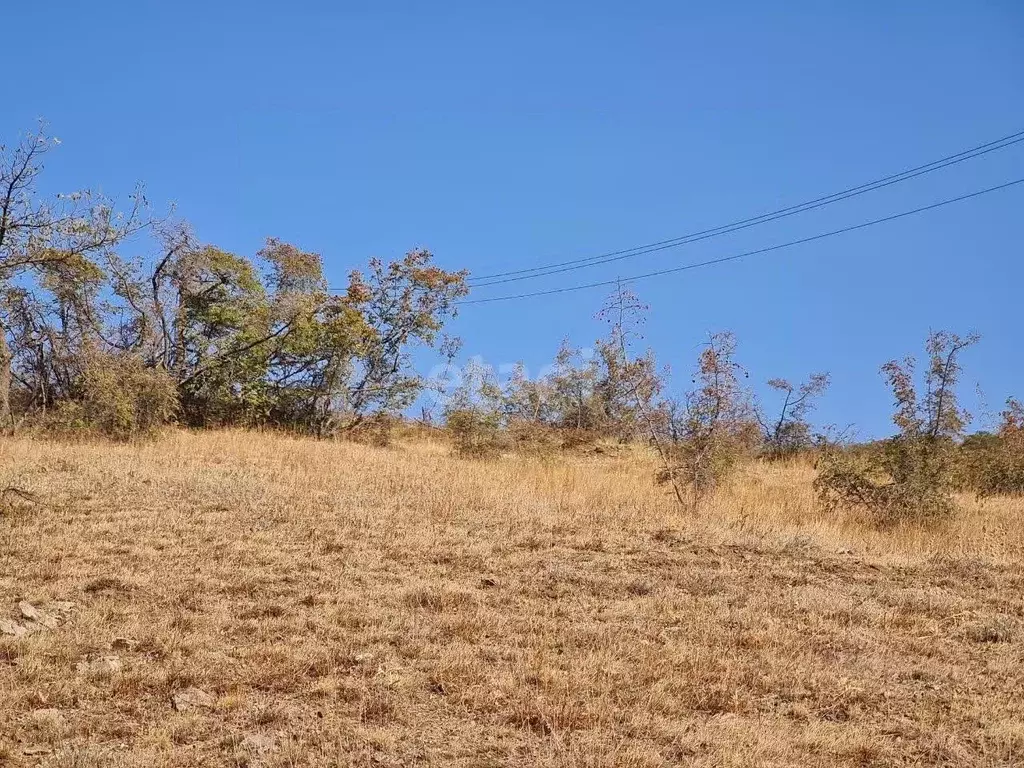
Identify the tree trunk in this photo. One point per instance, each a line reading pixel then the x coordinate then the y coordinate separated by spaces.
pixel 6 419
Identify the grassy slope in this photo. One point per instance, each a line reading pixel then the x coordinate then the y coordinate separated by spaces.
pixel 359 606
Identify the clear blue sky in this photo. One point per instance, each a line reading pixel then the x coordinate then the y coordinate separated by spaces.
pixel 507 135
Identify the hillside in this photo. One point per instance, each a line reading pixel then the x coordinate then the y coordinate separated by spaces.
pixel 228 598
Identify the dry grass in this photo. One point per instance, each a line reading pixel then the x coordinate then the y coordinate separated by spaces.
pixel 348 605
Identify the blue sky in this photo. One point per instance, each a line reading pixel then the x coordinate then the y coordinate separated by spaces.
pixel 510 135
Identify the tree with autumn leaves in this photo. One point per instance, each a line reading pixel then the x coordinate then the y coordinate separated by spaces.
pixel 93 335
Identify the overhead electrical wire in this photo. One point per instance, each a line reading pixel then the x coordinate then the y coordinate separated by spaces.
pixel 745 254
pixel 499 278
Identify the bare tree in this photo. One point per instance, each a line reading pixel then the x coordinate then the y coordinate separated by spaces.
pixel 789 432
pixel 631 384
pixel 628 381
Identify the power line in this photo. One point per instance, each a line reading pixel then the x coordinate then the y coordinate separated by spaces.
pixel 745 254
pixel 582 263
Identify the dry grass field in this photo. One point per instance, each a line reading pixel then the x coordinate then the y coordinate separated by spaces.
pixel 234 599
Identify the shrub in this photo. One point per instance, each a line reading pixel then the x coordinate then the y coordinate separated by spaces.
pixel 994 464
pixel 904 481
pixel 476 434
pixel 377 429
pixel 789 433
pixel 473 414
pixel 535 439
pixel 120 398
pixel 712 428
pixel 913 476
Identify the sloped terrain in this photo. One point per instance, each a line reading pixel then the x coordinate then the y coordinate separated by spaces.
pixel 231 599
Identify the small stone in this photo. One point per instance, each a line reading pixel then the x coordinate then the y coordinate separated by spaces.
pixel 192 698
pixel 50 713
pixel 104 665
pixel 43 620
pixel 50 716
pixel 123 644
pixel 258 744
pixel 9 627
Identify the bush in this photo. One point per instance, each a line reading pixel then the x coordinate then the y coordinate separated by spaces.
pixel 474 414
pixel 535 439
pixel 120 398
pixel 913 475
pixel 994 464
pixel 905 481
pixel 476 433
pixel 377 430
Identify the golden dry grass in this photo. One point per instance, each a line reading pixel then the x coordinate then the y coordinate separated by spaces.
pixel 346 605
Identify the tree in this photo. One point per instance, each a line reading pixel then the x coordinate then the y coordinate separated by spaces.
pixel 627 383
pixel 790 432
pixel 403 304
pixel 573 382
pixel 306 368
pixel 712 426
pixel 277 347
pixel 49 276
pixel 597 395
pixel 204 316
pixel 527 402
pixel 242 340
